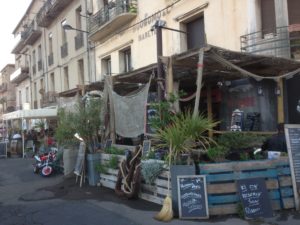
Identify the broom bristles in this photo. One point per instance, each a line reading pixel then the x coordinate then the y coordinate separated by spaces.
pixel 166 213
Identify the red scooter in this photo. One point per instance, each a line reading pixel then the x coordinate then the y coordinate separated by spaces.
pixel 45 163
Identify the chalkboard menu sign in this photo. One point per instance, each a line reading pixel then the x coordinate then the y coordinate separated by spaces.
pixel 192 197
pixel 3 149
pixel 292 135
pixel 254 197
pixel 146 147
pixel 80 159
pixel 108 143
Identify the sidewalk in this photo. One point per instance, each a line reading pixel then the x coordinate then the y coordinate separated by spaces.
pixel 142 212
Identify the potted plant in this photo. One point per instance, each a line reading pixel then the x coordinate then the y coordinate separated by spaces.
pixel 84 120
pixel 185 134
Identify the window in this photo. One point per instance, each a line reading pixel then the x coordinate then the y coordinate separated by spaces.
pixel 35 92
pixel 195 33
pixel 125 60
pixel 20 99
pixel 293 8
pixel 80 71
pixel 52 82
pixel 33 57
pixel 78 19
pixel 42 86
pixel 40 64
pixel 268 22
pixel 66 78
pixel 106 66
pixel 50 40
pixel 39 52
pixel 63 32
pixel 27 94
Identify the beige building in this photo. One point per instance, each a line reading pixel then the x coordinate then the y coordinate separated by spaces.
pixel 67 45
pixel 7 90
pixel 126 47
pixel 51 61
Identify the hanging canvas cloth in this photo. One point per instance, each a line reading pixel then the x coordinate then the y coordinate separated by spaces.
pixel 130 112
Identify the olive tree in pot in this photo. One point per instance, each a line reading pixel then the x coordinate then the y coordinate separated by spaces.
pixel 85 120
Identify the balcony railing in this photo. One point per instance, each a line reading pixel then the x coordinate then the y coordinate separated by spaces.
pixel 64 50
pixel 19 75
pixel 31 33
pixel 78 41
pixel 19 46
pixel 50 59
pixel 49 98
pixel 50 10
pixel 280 42
pixel 111 18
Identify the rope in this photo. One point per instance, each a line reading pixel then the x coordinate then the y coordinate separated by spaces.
pixel 225 62
pixel 129 176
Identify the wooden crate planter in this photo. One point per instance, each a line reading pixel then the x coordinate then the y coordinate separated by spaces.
pixel 221 183
pixel 109 179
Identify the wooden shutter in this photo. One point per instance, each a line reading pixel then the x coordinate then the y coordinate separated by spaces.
pixel 268 21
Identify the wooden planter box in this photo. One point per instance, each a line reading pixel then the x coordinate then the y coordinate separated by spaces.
pixel 221 183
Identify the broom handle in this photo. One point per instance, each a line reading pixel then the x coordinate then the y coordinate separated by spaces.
pixel 170 154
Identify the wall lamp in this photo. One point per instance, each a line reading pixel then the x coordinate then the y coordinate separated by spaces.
pixel 69 27
pixel 162 24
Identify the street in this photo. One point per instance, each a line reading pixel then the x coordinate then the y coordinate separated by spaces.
pixel 29 199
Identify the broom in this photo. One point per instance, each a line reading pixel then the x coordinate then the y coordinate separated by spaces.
pixel 166 213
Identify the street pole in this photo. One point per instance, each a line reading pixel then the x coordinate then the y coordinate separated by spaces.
pixel 160 78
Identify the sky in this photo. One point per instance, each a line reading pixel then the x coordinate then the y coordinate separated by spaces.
pixel 11 12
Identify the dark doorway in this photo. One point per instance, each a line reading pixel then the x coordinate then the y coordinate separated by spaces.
pixel 293 98
pixel 195 33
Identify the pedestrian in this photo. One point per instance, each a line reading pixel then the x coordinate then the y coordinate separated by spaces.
pixel 276 143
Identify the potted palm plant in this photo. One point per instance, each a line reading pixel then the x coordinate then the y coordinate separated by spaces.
pixel 185 134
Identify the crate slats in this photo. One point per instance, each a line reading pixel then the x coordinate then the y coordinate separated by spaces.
pixel 221 183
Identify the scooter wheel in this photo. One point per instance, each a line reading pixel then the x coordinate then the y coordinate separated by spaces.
pixel 46 171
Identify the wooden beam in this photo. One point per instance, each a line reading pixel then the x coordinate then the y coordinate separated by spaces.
pixel 169 76
pixel 209 109
pixel 199 81
pixel 280 105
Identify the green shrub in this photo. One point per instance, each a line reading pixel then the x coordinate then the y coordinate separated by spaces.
pixel 151 169
pixel 114 151
pixel 100 168
pixel 216 153
pixel 113 162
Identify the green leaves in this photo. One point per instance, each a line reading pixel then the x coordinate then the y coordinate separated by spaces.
pixel 84 120
pixel 185 132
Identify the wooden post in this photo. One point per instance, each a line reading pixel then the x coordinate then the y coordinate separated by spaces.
pixel 199 81
pixel 169 78
pixel 112 135
pixel 209 108
pixel 280 105
pixel 176 91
